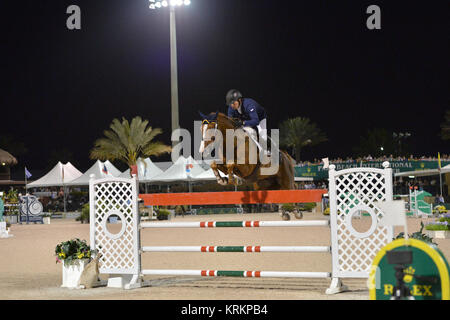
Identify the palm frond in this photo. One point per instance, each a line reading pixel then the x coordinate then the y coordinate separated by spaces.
pixel 127 141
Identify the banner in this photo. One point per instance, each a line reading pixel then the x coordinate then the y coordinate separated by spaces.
pixel 318 172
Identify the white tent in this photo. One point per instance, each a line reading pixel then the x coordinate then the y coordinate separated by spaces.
pixel 98 170
pixel 205 176
pixel 184 169
pixel 146 170
pixel 424 173
pixel 60 175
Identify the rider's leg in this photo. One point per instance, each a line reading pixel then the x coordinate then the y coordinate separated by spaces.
pixel 262 131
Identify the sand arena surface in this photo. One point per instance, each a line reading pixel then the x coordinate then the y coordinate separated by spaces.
pixel 28 269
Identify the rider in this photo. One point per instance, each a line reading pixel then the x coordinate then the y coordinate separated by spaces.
pixel 248 113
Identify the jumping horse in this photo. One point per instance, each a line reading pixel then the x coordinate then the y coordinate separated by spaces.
pixel 251 173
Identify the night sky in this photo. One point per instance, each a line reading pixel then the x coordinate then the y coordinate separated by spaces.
pixel 316 59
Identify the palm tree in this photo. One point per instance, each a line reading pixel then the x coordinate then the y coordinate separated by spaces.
pixel 445 126
pixel 298 133
pixel 128 142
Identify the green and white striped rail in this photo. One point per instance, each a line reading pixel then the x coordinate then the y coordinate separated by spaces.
pixel 236 224
pixel 234 249
pixel 237 274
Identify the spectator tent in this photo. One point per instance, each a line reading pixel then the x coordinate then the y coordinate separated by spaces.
pixel 146 170
pixel 60 175
pixel 184 169
pixel 100 170
pixel 205 176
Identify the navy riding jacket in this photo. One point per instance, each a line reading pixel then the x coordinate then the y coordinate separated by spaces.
pixel 252 113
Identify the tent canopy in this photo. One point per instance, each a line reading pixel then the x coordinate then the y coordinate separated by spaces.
pixel 60 175
pixel 98 169
pixel 205 176
pixel 146 170
pixel 184 169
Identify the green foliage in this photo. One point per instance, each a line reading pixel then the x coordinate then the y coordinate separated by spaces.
pixel 419 235
pixel 127 142
pixel 71 250
pixel 163 214
pixel 307 206
pixel 84 217
pixel 12 195
pixel 288 207
pixel 442 224
pixel 437 227
pixel 298 133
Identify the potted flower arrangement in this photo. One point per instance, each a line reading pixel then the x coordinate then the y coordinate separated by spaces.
pixel 74 254
pixel 163 214
pixel 419 235
pixel 440 229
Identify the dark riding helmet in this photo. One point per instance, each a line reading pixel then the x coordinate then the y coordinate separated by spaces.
pixel 232 96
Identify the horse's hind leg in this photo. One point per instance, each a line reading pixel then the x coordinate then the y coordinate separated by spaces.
pixel 220 180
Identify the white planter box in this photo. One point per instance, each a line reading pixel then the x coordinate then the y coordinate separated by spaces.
pixel 4 232
pixel 439 234
pixel 46 220
pixel 71 273
pixel 10 219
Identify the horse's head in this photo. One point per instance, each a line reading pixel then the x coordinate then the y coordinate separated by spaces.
pixel 209 122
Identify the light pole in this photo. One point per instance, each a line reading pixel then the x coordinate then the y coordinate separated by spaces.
pixel 155 4
pixel 399 137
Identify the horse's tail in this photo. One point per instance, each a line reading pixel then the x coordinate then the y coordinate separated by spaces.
pixel 290 159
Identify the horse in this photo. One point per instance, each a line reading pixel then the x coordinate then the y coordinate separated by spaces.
pixel 249 171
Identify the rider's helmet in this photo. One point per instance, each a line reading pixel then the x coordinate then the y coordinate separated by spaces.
pixel 232 96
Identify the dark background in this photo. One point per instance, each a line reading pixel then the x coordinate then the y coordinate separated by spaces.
pixel 317 59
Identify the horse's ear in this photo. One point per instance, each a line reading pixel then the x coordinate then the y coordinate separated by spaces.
pixel 202 115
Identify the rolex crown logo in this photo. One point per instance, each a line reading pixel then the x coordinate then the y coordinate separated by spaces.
pixel 409 273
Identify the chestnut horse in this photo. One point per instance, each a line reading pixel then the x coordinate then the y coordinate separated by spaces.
pixel 283 179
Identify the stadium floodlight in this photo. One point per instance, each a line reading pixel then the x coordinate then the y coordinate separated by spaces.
pixel 157 4
pixel 172 4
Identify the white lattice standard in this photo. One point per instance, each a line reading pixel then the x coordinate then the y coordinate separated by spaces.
pixel 354 193
pixel 115 197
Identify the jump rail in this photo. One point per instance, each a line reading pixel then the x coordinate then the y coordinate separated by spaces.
pixel 351 191
pixel 237 197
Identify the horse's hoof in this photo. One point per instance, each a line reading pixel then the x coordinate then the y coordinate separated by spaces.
pixel 298 215
pixel 223 181
pixel 286 217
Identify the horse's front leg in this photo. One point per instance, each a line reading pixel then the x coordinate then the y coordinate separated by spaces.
pixel 220 180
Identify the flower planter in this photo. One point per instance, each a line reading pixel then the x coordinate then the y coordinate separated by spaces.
pixel 4 232
pixel 46 220
pixel 438 234
pixel 71 273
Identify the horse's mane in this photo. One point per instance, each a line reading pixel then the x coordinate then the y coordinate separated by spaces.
pixel 221 117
